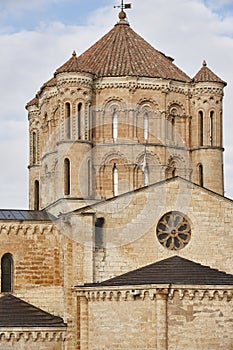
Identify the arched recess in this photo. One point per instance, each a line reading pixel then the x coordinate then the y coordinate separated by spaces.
pixel 109 124
pixel 34 146
pixel 36 195
pixel 67 180
pixel 67 120
pixel 176 123
pixel 200 174
pixel 145 122
pixel 147 169
pixel 7 273
pixel 115 180
pixel 200 128
pixel 79 120
pixel 113 176
pixel 212 123
pixel 175 167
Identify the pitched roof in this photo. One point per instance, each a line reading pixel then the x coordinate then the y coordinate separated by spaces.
pixel 34 215
pixel 15 312
pixel 206 75
pixel 174 270
pixel 122 52
pixel 33 102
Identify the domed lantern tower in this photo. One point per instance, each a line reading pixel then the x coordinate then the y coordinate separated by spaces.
pixel 119 117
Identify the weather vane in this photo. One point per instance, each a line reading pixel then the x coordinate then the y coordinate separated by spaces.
pixel 123 6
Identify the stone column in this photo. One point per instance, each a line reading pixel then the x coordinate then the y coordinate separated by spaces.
pixel 161 304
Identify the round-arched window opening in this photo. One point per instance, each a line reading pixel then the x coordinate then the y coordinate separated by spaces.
pixel 173 230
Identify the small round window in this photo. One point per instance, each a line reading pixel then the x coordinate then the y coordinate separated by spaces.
pixel 174 230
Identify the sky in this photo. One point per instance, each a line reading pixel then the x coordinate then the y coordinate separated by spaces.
pixel 37 37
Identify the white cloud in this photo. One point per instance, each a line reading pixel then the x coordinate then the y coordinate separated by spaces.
pixel 187 30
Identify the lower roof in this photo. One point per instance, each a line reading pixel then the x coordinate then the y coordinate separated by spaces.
pixel 15 312
pixel 24 215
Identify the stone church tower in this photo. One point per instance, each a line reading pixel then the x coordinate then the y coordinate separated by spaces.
pixel 119 117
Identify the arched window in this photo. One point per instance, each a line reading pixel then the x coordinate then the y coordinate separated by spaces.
pixel 174 172
pixel 145 126
pixel 200 175
pixel 36 195
pixel 211 127
pixel 7 273
pixel 115 180
pixel 99 233
pixel 67 177
pixel 67 120
pixel 79 120
pixel 172 128
pixel 114 126
pixel 171 125
pixel 171 171
pixel 34 147
pixel 200 128
pixel 89 182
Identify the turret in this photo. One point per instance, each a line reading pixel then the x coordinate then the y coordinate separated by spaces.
pixel 207 141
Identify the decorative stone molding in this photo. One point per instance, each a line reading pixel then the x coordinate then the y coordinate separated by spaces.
pixel 16 229
pixel 209 293
pixel 207 90
pixel 127 293
pixel 120 294
pixel 66 81
pixel 153 84
pixel 8 335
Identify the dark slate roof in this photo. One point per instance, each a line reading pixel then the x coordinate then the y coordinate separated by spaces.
pixel 34 215
pixel 122 52
pixel 206 75
pixel 15 312
pixel 174 270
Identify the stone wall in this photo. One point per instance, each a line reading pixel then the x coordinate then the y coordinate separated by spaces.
pixel 130 223
pixel 157 319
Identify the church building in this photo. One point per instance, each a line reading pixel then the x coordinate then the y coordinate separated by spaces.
pixel 128 240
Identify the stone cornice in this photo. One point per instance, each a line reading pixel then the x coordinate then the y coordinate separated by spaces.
pixel 198 292
pixel 133 84
pixel 32 334
pixel 207 89
pixel 25 229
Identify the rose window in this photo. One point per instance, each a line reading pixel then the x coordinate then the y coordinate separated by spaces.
pixel 174 231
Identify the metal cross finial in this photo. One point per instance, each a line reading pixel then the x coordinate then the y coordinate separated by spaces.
pixel 123 6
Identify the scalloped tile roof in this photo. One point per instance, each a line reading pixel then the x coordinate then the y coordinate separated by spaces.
pixel 122 52
pixel 206 75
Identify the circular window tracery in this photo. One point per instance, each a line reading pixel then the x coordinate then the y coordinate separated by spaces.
pixel 174 230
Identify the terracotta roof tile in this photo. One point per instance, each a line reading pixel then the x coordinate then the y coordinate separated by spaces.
pixel 206 75
pixel 50 82
pixel 174 270
pixel 33 102
pixel 72 65
pixel 15 312
pixel 122 52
